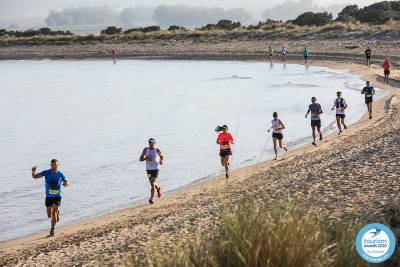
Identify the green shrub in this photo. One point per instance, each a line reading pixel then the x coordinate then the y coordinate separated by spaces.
pixel 377 13
pixel 223 24
pixel 175 28
pixel 145 29
pixel 111 30
pixel 313 19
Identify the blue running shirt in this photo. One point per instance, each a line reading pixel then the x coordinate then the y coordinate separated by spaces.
pixel 53 182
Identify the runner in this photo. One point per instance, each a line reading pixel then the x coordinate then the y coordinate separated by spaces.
pixel 368 56
pixel 305 54
pixel 277 136
pixel 53 179
pixel 369 93
pixel 153 157
pixel 114 52
pixel 283 53
pixel 270 53
pixel 224 140
pixel 340 105
pixel 315 110
pixel 386 69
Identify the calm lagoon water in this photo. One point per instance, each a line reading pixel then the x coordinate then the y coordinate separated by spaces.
pixel 96 117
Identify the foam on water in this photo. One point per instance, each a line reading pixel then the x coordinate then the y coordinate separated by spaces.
pixel 96 116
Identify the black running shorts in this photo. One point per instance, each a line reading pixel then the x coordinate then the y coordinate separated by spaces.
pixel 225 152
pixel 368 100
pixel 52 201
pixel 278 136
pixel 152 173
pixel 341 115
pixel 316 123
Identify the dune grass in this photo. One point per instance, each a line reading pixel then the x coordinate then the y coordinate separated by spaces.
pixel 276 234
pixel 264 31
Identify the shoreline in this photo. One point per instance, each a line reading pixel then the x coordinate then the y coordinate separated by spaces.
pixel 36 242
pixel 296 144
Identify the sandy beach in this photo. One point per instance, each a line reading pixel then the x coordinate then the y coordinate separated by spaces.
pixel 351 175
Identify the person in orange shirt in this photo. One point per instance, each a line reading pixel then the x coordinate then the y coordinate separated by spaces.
pixel 386 70
pixel 224 140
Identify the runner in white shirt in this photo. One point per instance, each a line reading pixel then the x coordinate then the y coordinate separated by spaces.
pixel 340 105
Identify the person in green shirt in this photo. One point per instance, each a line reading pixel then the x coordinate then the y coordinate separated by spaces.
pixel 305 54
pixel 270 53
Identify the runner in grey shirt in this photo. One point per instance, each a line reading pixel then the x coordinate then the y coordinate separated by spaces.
pixel 316 111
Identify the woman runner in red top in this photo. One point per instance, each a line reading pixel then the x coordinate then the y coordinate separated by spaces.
pixel 224 140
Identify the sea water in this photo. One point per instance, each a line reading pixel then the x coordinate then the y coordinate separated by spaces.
pixel 95 117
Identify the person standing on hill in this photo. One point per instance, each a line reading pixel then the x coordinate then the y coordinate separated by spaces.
pixel 224 140
pixel 316 110
pixel 270 53
pixel 368 56
pixel 369 93
pixel 305 54
pixel 153 157
pixel 386 69
pixel 340 105
pixel 277 136
pixel 53 179
pixel 283 53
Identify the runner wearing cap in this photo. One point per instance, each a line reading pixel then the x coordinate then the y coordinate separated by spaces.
pixel 316 110
pixel 225 140
pixel 153 157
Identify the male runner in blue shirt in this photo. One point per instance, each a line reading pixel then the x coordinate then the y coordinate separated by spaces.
pixel 53 179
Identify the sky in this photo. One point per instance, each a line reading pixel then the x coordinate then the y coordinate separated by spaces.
pixel 35 11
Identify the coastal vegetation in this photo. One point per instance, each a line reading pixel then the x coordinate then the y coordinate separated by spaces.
pixel 269 233
pixel 381 20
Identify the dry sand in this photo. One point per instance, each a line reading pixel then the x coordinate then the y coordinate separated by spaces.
pixel 353 174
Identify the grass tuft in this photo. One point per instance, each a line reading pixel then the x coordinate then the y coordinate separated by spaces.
pixel 267 235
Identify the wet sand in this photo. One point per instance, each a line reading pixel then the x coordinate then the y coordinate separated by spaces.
pixel 354 174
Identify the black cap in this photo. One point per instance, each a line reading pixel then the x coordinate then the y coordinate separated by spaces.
pixel 151 140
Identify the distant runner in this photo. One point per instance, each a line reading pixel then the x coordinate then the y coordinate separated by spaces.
pixel 270 53
pixel 277 136
pixel 53 180
pixel 114 53
pixel 368 56
pixel 340 105
pixel 224 140
pixel 153 157
pixel 305 54
pixel 369 93
pixel 386 69
pixel 283 53
pixel 316 111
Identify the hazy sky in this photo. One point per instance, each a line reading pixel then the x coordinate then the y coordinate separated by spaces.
pixel 22 10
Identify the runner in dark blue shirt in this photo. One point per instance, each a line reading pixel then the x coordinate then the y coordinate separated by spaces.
pixel 53 180
pixel 369 93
